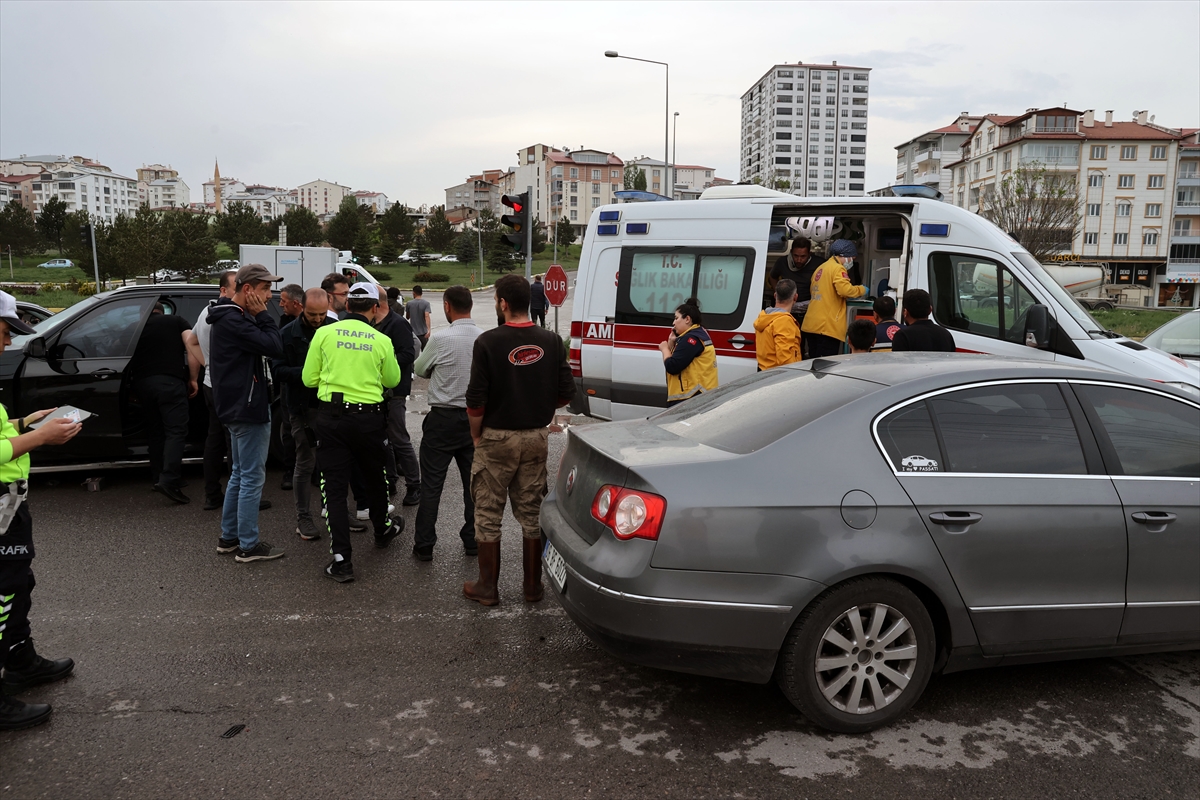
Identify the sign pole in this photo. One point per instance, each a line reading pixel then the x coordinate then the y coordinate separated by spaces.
pixel 95 262
pixel 529 236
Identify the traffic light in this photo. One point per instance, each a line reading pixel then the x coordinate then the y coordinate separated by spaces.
pixel 518 220
pixel 85 234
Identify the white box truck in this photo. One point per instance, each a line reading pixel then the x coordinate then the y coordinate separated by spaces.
pixel 306 266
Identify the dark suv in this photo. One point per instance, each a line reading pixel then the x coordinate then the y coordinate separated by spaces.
pixel 81 356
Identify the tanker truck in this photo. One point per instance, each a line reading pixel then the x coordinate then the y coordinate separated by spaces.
pixel 1085 283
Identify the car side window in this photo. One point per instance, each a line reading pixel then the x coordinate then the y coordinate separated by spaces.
pixel 1011 428
pixel 109 331
pixel 978 295
pixel 909 440
pixel 1152 435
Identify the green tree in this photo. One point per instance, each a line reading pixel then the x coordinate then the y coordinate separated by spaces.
pixel 303 227
pixel 500 259
pixel 486 222
pixel 362 246
pixel 439 233
pixel 240 224
pixel 539 236
pixel 1038 207
pixel 388 251
pixel 136 245
pixel 397 225
pixel 343 229
pixel 17 228
pixel 191 247
pixel 564 232
pixel 420 250
pixel 639 180
pixel 50 222
pixel 630 176
pixel 466 247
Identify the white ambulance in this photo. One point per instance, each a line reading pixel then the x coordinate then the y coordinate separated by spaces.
pixel 641 260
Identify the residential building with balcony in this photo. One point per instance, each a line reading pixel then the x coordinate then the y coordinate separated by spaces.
pixel 229 186
pixel 689 180
pixel 37 164
pixel 804 129
pixel 924 159
pixel 165 193
pixel 322 197
pixel 566 183
pixel 1183 258
pixel 97 190
pixel 1126 172
pixel 376 200
pixel 18 187
pixel 476 193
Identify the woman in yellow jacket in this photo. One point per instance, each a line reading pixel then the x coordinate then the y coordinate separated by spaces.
pixel 825 323
pixel 688 356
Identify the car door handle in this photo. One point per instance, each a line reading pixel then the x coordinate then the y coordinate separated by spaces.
pixel 103 372
pixel 955 521
pixel 1155 521
pixel 739 341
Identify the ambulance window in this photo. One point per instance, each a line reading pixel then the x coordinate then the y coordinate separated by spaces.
pixel 653 281
pixel 976 294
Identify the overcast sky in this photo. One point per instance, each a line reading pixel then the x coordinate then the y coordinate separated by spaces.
pixel 409 98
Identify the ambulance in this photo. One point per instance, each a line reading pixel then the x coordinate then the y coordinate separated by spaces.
pixel 641 260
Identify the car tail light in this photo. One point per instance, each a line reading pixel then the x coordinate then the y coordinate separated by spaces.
pixel 628 513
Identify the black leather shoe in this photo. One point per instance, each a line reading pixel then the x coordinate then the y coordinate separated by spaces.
pixel 470 548
pixel 211 503
pixel 286 483
pixel 413 496
pixel 15 715
pixel 263 505
pixel 25 669
pixel 173 493
pixel 422 553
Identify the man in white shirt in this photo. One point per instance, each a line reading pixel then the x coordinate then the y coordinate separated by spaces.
pixel 217 441
pixel 446 431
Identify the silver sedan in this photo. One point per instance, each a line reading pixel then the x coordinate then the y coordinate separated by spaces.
pixel 850 526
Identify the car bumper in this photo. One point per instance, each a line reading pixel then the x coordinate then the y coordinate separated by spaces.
pixel 725 625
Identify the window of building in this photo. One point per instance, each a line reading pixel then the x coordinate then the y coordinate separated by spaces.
pixel 783 73
pixel 574 186
pixel 783 123
pixel 845 113
pixel 976 169
pixel 1120 238
pixel 991 137
pixel 1124 208
pixel 1129 152
pixel 1124 181
pixel 574 214
pixel 574 201
pixel 1158 152
pixel 783 98
pixel 574 172
pixel 595 202
pixel 812 187
pixel 829 162
pixel 1091 238
pixel 1150 238
pixel 787 87
pixel 827 174
pixel 990 163
pixel 656 174
pixel 856 114
pixel 816 87
pixel 1099 152
pixel 1155 181
pixel 1095 179
pixel 783 148
pixel 1183 227
pixel 814 162
pixel 1008 159
pixel 783 160
pixel 962 173
pixel 783 135
pixel 787 112
pixel 828 186
pixel 595 188
pixel 1153 209
pixel 814 149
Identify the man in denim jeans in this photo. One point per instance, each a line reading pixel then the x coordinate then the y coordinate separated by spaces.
pixel 243 334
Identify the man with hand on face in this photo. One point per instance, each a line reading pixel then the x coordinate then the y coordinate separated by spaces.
pixel 300 402
pixel 350 364
pixel 243 334
pixel 825 323
pixel 22 667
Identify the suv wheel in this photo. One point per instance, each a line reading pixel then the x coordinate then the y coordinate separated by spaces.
pixel 859 657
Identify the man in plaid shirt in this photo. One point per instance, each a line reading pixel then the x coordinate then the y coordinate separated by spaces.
pixel 446 431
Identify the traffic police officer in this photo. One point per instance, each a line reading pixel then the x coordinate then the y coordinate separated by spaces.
pixel 350 364
pixel 23 667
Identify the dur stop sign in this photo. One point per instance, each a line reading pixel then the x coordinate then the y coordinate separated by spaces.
pixel 555 282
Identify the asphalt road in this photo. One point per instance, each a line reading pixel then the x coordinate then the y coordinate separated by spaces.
pixel 395 686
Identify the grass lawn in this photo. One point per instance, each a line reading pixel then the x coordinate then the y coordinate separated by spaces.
pixel 1134 323
pixel 401 275
pixel 25 270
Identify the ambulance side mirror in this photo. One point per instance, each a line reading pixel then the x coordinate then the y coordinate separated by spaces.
pixel 1037 326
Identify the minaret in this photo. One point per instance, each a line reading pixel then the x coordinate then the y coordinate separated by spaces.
pixel 217 186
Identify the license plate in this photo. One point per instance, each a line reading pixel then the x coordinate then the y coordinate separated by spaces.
pixel 555 567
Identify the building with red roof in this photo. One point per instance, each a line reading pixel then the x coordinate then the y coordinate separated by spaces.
pixel 921 159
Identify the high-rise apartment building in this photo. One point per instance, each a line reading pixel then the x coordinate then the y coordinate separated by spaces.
pixel 804 129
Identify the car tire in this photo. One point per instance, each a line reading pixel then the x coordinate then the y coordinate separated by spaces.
pixel 838 629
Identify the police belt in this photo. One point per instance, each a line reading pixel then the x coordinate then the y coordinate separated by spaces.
pixel 352 408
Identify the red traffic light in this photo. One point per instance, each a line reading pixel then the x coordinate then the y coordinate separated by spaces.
pixel 514 201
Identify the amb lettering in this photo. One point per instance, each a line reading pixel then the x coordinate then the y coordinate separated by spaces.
pixel 344 333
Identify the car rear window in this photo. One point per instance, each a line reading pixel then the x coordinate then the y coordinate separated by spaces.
pixel 753 412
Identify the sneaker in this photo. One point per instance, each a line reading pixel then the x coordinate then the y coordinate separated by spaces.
pixel 226 547
pixel 365 513
pixel 413 496
pixel 423 553
pixel 307 529
pixel 395 526
pixel 340 571
pixel 172 492
pixel 286 483
pixel 261 552
pixel 357 525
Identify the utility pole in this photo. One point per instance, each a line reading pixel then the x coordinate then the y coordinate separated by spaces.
pixel 479 238
pixel 529 237
pixel 95 263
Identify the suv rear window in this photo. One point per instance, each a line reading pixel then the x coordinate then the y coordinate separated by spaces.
pixel 751 413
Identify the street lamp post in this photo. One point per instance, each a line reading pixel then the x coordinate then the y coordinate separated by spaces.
pixel 667 101
pixel 674 151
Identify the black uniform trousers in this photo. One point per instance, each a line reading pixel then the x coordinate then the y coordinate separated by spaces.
pixel 16 582
pixel 445 437
pixel 216 446
pixel 820 345
pixel 344 439
pixel 165 400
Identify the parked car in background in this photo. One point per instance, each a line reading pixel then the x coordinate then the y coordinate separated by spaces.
pixel 57 263
pixel 32 313
pixel 1180 337
pixel 957 511
pixel 450 258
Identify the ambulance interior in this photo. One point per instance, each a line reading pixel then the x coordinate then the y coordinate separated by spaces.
pixel 881 235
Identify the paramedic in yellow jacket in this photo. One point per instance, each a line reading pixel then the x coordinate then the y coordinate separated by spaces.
pixel 688 356
pixel 825 323
pixel 776 334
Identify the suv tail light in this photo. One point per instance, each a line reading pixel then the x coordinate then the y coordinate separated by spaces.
pixel 628 513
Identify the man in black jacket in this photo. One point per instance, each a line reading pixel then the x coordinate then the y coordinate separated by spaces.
pixel 921 334
pixel 300 402
pixel 243 335
pixel 402 458
pixel 537 301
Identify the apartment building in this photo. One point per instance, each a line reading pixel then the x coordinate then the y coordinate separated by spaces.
pixel 1126 171
pixel 37 164
pixel 656 171
pixel 18 187
pixel 322 197
pixel 161 187
pixel 804 129
pixel 229 186
pixel 687 181
pixel 101 192
pixel 376 200
pixel 925 159
pixel 269 202
pixel 477 192
pixel 565 183
pixel 1183 258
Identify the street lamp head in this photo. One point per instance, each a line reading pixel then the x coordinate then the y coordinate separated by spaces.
pixel 610 53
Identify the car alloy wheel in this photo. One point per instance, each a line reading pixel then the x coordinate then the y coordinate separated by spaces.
pixel 859 656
